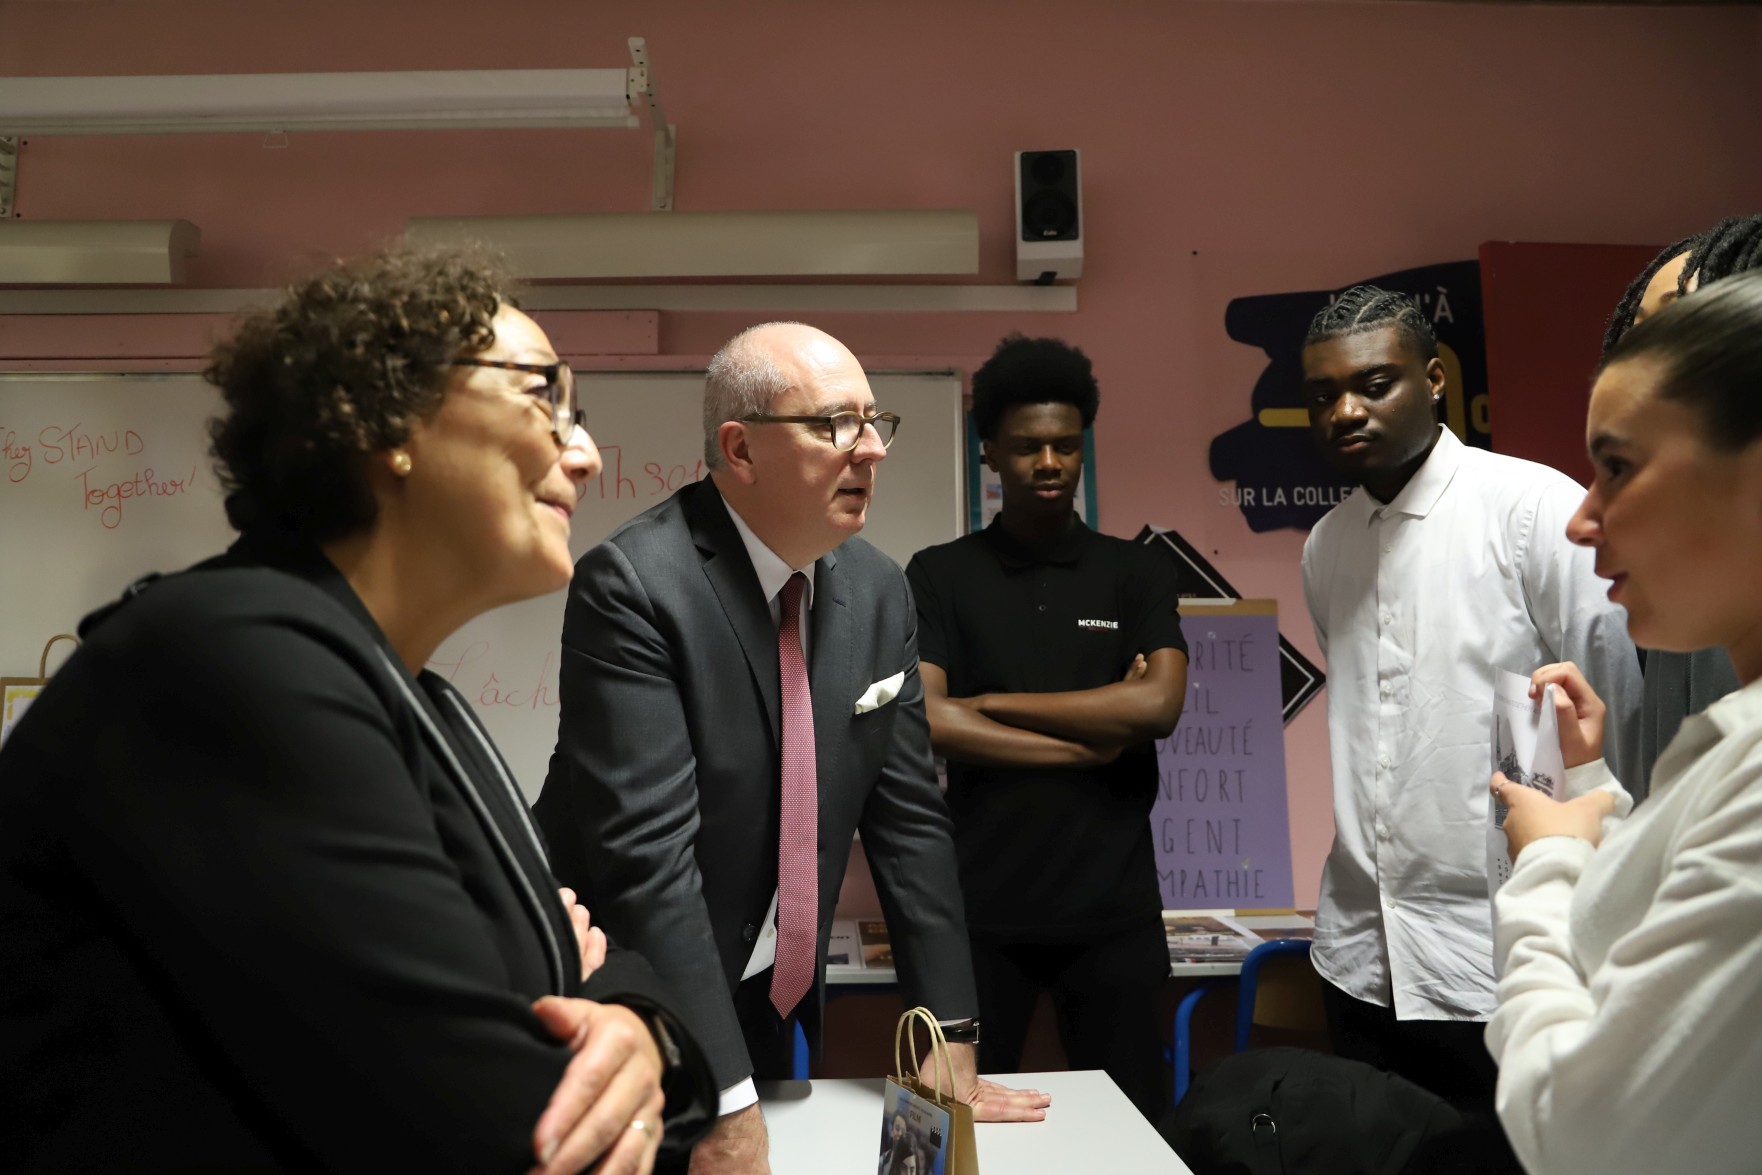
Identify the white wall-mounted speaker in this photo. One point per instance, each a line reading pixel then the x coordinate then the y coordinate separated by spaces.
pixel 1049 216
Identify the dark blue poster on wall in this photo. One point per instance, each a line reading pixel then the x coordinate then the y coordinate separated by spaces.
pixel 1270 467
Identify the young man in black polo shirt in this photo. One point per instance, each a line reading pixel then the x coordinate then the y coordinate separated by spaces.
pixel 1051 657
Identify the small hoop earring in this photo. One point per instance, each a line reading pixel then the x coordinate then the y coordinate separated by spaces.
pixel 401 463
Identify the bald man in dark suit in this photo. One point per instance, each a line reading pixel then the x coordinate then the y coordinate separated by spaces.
pixel 669 802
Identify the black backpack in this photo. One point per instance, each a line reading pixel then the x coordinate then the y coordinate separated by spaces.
pixel 1287 1111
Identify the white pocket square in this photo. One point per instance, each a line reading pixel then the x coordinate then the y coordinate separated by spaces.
pixel 879 694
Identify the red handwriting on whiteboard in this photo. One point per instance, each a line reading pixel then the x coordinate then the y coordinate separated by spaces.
pixel 66 442
pixel 17 455
pixel 529 694
pixel 612 469
pixel 75 442
pixel 107 497
pixel 664 480
pixel 657 477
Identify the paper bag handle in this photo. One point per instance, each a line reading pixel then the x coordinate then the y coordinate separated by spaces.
pixel 43 663
pixel 938 1048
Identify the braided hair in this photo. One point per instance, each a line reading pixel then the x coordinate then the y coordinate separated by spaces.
pixel 1710 348
pixel 1363 308
pixel 1734 245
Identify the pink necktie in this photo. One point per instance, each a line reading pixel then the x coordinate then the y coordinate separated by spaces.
pixel 798 883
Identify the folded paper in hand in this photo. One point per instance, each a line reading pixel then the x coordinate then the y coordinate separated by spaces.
pixel 1526 747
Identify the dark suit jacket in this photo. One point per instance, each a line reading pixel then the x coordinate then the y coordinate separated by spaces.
pixel 662 798
pixel 271 903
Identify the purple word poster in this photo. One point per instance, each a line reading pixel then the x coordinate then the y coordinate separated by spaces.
pixel 1222 835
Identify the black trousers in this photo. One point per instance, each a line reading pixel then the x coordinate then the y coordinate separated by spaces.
pixel 770 1039
pixel 1448 1057
pixel 1104 994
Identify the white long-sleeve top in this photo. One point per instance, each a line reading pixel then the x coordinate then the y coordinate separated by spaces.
pixel 1416 603
pixel 1629 1029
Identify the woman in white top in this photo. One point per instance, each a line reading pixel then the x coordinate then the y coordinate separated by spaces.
pixel 1629 1027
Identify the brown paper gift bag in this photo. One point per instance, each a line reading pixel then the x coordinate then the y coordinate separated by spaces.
pixel 922 1117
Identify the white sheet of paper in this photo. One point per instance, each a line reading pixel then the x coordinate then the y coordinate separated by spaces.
pixel 1526 747
pixel 765 950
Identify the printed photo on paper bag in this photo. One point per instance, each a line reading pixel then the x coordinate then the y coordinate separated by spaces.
pixel 914 1134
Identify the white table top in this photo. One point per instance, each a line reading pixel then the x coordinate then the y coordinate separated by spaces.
pixel 831 1127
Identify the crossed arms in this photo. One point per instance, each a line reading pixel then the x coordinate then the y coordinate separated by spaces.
pixel 1073 728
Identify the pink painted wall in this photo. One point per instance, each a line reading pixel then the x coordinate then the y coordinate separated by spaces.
pixel 1231 147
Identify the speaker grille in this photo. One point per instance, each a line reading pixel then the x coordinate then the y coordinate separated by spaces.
pixel 1049 216
pixel 1049 196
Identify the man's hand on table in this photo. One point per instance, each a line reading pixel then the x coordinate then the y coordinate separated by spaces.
pixel 991 1102
pixel 608 1106
pixel 736 1145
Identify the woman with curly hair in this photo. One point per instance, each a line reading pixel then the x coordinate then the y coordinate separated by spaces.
pixel 270 898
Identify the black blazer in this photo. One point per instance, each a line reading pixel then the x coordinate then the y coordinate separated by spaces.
pixel 271 903
pixel 662 799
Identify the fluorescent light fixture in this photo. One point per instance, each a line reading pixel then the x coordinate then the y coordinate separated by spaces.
pixel 722 244
pixel 96 252
pixel 418 100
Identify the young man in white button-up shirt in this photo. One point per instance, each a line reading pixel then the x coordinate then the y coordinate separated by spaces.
pixel 1447 563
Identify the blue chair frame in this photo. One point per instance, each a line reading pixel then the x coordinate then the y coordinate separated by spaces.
pixel 1246 986
pixel 798 1068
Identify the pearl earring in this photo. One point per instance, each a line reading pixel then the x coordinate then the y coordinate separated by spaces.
pixel 401 463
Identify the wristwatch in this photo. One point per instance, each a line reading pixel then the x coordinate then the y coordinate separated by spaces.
pixel 962 1031
pixel 671 1058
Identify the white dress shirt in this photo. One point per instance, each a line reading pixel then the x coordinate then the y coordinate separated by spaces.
pixel 1416 604
pixel 773 573
pixel 1631 987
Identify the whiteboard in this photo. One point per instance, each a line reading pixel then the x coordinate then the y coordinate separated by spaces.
pixel 104 478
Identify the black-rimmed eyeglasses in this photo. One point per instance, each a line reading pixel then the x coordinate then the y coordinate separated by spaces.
pixel 558 391
pixel 843 429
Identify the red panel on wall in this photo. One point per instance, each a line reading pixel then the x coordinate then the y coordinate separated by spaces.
pixel 1546 307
